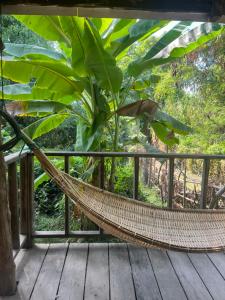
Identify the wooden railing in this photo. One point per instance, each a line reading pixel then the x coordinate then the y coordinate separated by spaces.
pixel 20 193
pixel 21 196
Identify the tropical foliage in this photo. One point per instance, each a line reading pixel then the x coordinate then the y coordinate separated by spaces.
pixel 89 69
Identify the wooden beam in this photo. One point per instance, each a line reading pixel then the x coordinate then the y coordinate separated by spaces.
pixel 198 10
pixel 134 154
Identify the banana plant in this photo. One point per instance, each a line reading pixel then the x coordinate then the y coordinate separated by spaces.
pixel 82 72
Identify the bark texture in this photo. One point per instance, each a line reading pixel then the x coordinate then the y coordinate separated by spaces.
pixel 7 266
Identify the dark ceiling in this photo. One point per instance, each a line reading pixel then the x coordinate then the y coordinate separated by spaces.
pixel 212 10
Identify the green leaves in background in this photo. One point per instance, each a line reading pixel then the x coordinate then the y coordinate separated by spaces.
pixel 45 125
pixel 179 41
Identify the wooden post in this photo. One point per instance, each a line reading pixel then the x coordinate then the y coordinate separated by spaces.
pixel 204 184
pixel 13 204
pixel 136 177
pixel 7 265
pixel 101 180
pixel 170 183
pixel 67 212
pixel 102 173
pixel 185 182
pixel 26 173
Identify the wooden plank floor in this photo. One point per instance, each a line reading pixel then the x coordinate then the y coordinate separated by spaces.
pixel 118 272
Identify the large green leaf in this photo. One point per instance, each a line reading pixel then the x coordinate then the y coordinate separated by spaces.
pixel 142 84
pixel 117 29
pixel 140 30
pixel 48 74
pixel 35 107
pixel 31 51
pixel 59 164
pixel 45 125
pixel 164 134
pixel 17 92
pixel 73 27
pixel 172 123
pixel 46 26
pixel 87 140
pixel 99 62
pixel 25 92
pixel 168 37
pixel 192 38
pixel 102 24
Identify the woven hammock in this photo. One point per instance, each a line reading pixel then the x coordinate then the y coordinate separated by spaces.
pixel 131 220
pixel 140 223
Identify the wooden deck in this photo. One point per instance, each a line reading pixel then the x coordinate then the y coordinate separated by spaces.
pixel 117 272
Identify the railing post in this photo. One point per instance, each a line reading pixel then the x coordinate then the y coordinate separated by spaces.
pixel 67 210
pixel 13 204
pixel 136 177
pixel 26 182
pixel 204 184
pixel 102 180
pixel 102 173
pixel 170 183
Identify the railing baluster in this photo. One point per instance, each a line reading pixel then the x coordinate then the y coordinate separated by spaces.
pixel 27 194
pixel 136 177
pixel 67 209
pixel 102 173
pixel 13 204
pixel 102 180
pixel 170 183
pixel 204 184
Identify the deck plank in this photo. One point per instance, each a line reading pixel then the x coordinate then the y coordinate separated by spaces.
pixel 189 278
pixel 121 281
pixel 73 276
pixel 48 280
pixel 218 259
pixel 168 282
pixel 28 264
pixel 209 274
pixel 146 286
pixel 97 277
pixel 117 272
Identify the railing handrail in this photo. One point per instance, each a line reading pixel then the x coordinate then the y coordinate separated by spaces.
pixel 14 157
pixel 135 154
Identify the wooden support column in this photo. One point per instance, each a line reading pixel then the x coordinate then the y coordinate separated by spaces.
pixel 136 177
pixel 7 265
pixel 27 181
pixel 204 184
pixel 13 204
pixel 170 183
pixel 67 209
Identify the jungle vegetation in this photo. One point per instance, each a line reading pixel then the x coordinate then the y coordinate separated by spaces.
pixel 80 88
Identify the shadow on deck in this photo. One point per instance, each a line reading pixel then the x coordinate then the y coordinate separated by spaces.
pixel 118 272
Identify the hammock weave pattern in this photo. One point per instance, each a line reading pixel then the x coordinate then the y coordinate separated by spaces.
pixel 140 223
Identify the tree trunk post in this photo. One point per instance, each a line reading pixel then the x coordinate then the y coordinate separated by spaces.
pixel 7 265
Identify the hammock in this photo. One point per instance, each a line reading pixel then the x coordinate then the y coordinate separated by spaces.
pixel 140 223
pixel 135 221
